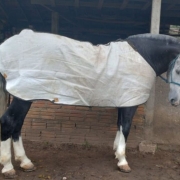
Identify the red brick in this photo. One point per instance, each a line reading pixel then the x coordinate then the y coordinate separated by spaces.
pixel 83 108
pixel 92 112
pixel 64 114
pixel 79 126
pixel 48 110
pixel 80 132
pixel 95 120
pixel 76 119
pixel 62 139
pixel 49 117
pixel 111 110
pixel 98 109
pixel 76 114
pixel 92 116
pixel 32 117
pixel 67 131
pixel 62 135
pixel 38 105
pixel 62 119
pixel 68 107
pixel 35 108
pixel 38 127
pixel 67 126
pixel 54 106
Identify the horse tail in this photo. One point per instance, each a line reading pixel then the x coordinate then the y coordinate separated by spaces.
pixel 3 95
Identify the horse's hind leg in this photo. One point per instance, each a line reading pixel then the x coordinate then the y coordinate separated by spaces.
pixel 11 124
pixel 20 155
pixel 5 159
pixel 125 116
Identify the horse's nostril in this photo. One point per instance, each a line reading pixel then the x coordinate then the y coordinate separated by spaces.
pixel 172 101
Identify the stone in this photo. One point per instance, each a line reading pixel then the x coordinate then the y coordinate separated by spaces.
pixel 147 147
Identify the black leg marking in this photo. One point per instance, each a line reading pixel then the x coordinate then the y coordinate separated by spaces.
pixel 13 118
pixel 125 116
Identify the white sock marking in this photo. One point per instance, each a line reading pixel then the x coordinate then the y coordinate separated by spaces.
pixel 120 146
pixel 116 141
pixel 19 153
pixel 5 157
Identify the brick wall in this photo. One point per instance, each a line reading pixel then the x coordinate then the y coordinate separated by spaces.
pixel 75 124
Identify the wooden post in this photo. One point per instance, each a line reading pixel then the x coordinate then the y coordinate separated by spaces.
pixel 155 16
pixel 55 23
pixel 149 107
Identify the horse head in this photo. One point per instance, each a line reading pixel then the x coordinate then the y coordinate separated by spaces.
pixel 173 76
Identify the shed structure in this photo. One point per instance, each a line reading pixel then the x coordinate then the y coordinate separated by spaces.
pixel 95 21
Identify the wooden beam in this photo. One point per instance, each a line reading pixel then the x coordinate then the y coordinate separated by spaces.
pixel 124 4
pixel 170 6
pixel 170 20
pixel 147 5
pixel 103 31
pixel 150 104
pixel 27 19
pixel 170 14
pixel 76 3
pixel 48 8
pixel 4 11
pixel 155 16
pixel 54 10
pixel 91 4
pixel 1 24
pixel 46 2
pixel 132 22
pixel 108 4
pixel 55 23
pixel 53 3
pixel 39 14
pixel 100 4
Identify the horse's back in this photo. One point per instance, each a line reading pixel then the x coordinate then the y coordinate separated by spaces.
pixel 53 67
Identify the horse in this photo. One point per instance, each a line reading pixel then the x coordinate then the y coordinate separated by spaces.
pixel 146 55
pixel 173 79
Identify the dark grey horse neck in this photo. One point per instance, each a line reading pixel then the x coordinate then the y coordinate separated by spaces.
pixel 157 50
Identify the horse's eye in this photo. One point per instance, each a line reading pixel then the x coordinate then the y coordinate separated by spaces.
pixel 178 71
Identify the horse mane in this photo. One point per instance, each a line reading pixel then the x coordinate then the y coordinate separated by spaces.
pixel 156 37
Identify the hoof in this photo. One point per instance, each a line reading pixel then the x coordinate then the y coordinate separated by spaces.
pixel 125 168
pixel 28 167
pixel 10 174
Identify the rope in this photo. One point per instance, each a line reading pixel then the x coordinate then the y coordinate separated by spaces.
pixel 164 79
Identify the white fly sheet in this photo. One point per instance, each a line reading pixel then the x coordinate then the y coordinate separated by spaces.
pixel 56 68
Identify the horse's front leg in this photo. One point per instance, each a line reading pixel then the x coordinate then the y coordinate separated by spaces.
pixel 11 124
pixel 125 116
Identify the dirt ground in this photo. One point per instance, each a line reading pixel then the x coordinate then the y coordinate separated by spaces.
pixel 82 162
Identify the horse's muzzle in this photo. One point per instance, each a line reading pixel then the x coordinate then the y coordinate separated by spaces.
pixel 174 102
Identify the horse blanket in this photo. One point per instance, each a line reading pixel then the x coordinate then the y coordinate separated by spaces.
pixel 66 71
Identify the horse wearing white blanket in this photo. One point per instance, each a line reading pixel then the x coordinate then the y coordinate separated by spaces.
pixel 50 67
